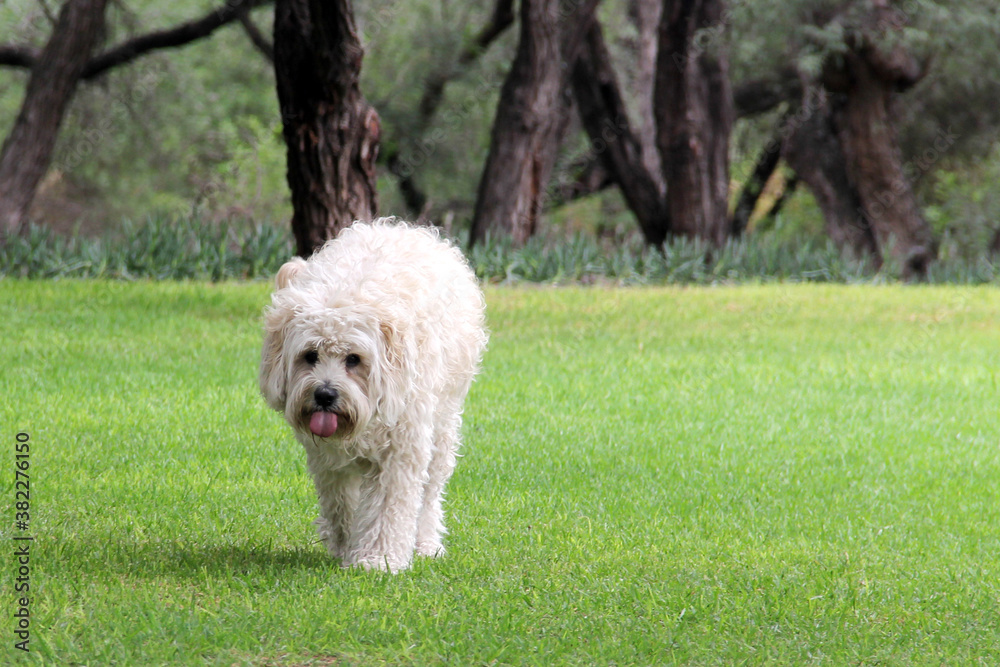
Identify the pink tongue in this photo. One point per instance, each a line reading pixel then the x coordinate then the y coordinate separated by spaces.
pixel 323 424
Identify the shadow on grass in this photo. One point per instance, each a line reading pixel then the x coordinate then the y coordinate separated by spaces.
pixel 193 561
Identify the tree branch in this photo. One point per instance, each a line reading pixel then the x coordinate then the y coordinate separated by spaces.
pixel 255 35
pixel 47 11
pixel 17 56
pixel 791 183
pixel 129 50
pixel 604 117
pixel 430 100
pixel 170 38
pixel 591 176
pixel 502 18
pixel 758 96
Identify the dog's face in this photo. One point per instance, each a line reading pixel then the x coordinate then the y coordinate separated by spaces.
pixel 331 369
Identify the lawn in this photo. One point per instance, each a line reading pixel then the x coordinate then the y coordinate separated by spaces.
pixel 779 475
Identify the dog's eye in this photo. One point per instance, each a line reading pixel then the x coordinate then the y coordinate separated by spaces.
pixel 311 357
pixel 352 360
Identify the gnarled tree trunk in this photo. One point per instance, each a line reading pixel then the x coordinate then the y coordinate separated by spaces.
pixel 695 104
pixel 812 148
pixel 330 130
pixel 27 151
pixel 867 75
pixel 531 120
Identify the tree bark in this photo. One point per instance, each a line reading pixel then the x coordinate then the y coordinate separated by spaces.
pixel 867 76
pixel 646 14
pixel 27 151
pixel 605 119
pixel 531 119
pixel 330 130
pixel 695 102
pixel 813 150
pixel 875 167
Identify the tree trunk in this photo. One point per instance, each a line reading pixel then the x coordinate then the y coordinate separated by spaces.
pixel 695 105
pixel 646 15
pixel 868 76
pixel 812 149
pixel 604 116
pixel 27 152
pixel 330 130
pixel 531 119
pixel 875 166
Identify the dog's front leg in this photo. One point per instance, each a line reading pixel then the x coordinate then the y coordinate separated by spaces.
pixel 338 494
pixel 384 530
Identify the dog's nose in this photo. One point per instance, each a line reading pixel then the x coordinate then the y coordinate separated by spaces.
pixel 325 396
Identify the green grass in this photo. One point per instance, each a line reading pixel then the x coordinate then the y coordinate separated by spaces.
pixel 779 475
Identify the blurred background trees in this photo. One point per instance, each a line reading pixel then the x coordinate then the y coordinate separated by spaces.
pixel 872 123
pixel 331 132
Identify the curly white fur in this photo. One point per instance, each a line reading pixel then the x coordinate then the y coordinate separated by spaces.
pixel 369 351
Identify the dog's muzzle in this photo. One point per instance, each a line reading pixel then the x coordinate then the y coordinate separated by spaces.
pixel 323 422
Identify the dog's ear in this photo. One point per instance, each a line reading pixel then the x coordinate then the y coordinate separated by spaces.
pixel 272 378
pixel 287 272
pixel 394 374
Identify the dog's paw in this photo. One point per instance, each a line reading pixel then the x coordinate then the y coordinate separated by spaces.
pixel 378 562
pixel 330 537
pixel 433 549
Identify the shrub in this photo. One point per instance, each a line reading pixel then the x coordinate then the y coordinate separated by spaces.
pixel 187 248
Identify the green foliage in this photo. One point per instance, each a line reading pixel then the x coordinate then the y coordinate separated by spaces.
pixel 947 124
pixel 250 181
pixel 957 97
pixel 779 475
pixel 176 131
pixel 963 206
pixel 189 248
pixel 406 45
pixel 161 248
pixel 956 39
pixel 196 131
pixel 684 261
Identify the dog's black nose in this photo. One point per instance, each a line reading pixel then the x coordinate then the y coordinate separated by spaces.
pixel 325 396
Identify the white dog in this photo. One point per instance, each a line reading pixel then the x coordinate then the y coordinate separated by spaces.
pixel 370 348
